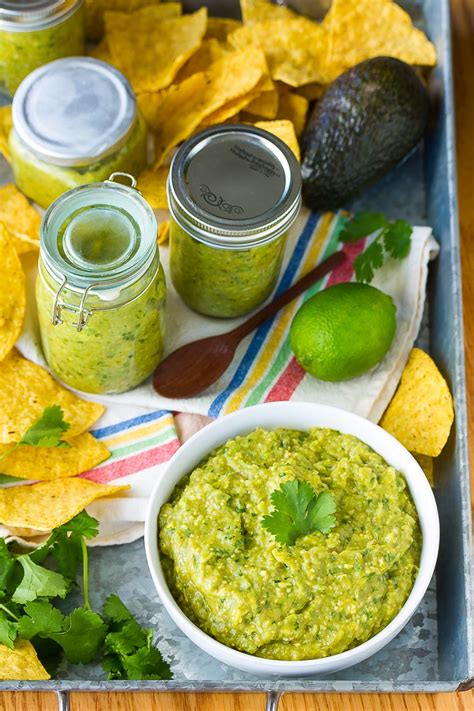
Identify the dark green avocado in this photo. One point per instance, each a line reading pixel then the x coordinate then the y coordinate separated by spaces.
pixel 370 118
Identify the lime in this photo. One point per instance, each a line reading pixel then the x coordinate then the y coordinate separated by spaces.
pixel 343 331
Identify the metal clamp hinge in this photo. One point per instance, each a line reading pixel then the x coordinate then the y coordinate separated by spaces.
pixel 83 313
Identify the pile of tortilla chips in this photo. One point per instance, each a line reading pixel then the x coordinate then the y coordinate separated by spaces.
pixel 192 71
pixel 421 412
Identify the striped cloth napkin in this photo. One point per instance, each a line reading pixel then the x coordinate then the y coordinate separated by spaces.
pixel 138 427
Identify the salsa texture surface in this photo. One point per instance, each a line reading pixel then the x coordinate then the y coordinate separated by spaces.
pixel 322 596
pixel 223 282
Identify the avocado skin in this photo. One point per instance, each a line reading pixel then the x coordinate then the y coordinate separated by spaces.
pixel 370 118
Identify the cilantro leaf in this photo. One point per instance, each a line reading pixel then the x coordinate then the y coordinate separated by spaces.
pixel 47 430
pixel 8 631
pixel 299 511
pixel 82 635
pixel 129 651
pixel 322 512
pixel 368 261
pixel 10 571
pixel 130 638
pixel 112 666
pixel 115 610
pixel 38 582
pixel 67 552
pixel 82 523
pixel 392 239
pixel 397 239
pixel 41 618
pixel 362 224
pixel 147 663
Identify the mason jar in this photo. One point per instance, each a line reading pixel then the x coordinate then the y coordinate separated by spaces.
pixel 233 194
pixel 100 289
pixel 75 122
pixel 35 32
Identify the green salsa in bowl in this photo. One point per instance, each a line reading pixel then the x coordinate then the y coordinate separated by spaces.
pixel 330 599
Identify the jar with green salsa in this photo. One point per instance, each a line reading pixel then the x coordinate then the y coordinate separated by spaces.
pixel 100 289
pixel 35 32
pixel 75 122
pixel 233 193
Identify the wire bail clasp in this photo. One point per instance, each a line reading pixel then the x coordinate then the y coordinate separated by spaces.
pixel 119 174
pixel 83 313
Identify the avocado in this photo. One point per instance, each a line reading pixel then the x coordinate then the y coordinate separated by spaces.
pixel 370 118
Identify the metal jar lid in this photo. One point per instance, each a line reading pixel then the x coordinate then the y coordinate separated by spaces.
pixel 234 186
pixel 74 111
pixel 27 15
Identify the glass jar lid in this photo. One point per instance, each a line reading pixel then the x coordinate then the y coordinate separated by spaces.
pixel 25 15
pixel 234 185
pixel 100 235
pixel 74 111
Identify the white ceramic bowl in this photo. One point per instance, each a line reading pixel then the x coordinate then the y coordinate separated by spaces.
pixel 299 416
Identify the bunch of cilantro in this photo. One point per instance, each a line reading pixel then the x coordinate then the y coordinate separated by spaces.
pixel 31 584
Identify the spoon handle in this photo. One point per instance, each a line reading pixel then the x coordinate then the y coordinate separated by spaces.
pixel 304 283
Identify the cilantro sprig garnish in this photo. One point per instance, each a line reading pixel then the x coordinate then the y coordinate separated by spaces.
pixel 47 431
pixel 391 239
pixel 29 589
pixel 299 511
pixel 129 651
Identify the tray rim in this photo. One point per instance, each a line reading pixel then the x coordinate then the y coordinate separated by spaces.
pixel 63 687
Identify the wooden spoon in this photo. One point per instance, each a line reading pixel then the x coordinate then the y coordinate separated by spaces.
pixel 194 367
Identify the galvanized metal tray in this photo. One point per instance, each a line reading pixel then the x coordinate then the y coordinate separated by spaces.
pixel 434 652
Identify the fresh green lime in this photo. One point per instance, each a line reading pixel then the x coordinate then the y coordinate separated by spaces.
pixel 343 331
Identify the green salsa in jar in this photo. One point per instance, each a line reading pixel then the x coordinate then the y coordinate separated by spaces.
pixel 221 282
pixel 233 192
pixel 101 289
pixel 35 32
pixel 74 122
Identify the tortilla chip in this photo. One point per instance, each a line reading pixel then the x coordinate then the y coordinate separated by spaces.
pixel 148 104
pixel 362 29
pixel 283 130
pixel 312 92
pixel 5 128
pixel 210 51
pixel 95 10
pixel 12 294
pixel 163 232
pixel 26 389
pixel 265 105
pixel 20 218
pixel 296 49
pixel 49 504
pixel 294 108
pixel 21 663
pixel 261 10
pixel 229 110
pixel 421 412
pixel 48 463
pixel 426 463
pixel 186 105
pixel 220 28
pixel 150 47
pixel 152 185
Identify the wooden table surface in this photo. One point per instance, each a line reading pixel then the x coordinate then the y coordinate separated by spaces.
pixel 463 41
